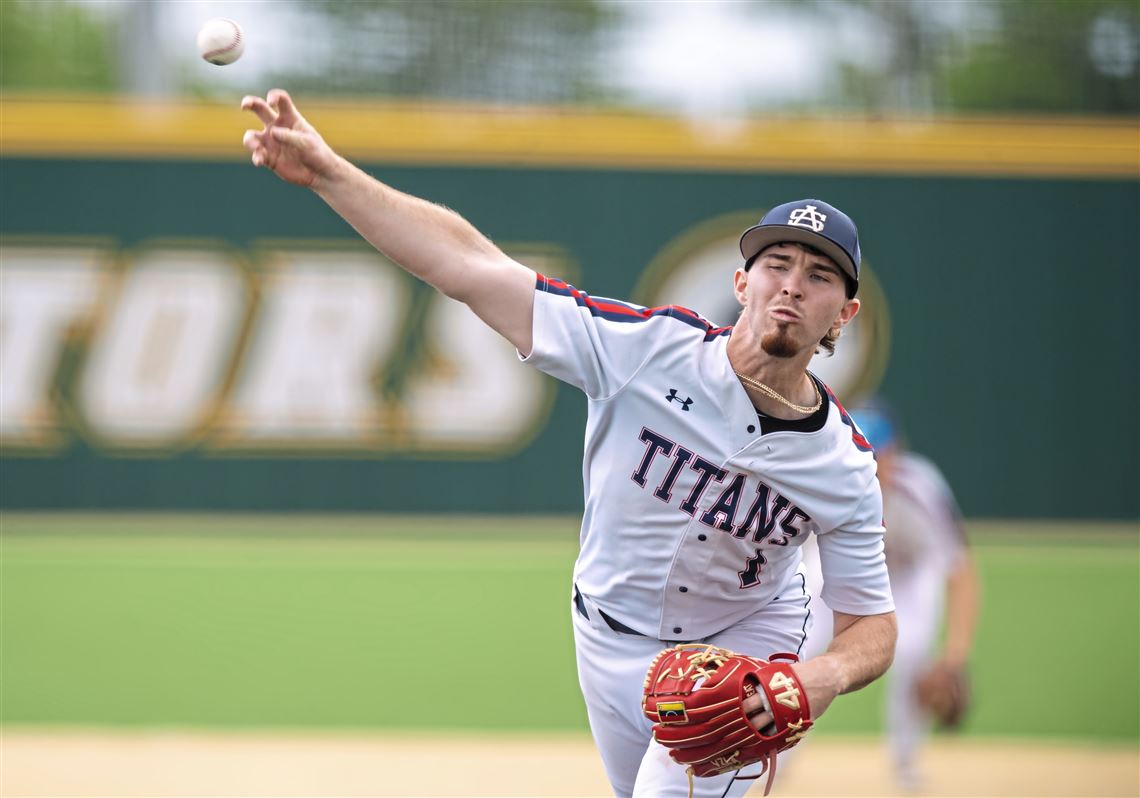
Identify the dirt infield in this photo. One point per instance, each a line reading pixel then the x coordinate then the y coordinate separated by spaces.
pixel 90 763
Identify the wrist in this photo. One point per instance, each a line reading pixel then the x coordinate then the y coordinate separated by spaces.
pixel 822 678
pixel 832 673
pixel 326 179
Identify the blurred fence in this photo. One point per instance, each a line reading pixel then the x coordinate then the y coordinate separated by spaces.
pixel 699 57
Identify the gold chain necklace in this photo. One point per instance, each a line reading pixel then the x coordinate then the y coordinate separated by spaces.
pixel 769 392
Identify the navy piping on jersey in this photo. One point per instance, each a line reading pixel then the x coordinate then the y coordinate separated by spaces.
pixel 613 310
pixel 807 606
pixel 861 443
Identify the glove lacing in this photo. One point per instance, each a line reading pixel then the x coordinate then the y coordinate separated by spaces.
pixel 767 765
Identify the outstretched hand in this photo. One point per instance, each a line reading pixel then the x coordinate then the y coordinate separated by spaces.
pixel 288 145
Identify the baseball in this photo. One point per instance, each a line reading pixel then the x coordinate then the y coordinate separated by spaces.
pixel 221 41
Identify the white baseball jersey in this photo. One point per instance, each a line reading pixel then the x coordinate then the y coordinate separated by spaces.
pixel 695 506
pixel 925 523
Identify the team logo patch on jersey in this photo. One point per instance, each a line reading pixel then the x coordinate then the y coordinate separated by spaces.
pixel 672 712
pixel 808 216
pixel 673 397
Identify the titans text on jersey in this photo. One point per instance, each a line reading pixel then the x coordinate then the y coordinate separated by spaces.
pixel 768 507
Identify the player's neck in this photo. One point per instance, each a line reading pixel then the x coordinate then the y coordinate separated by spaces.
pixel 786 376
pixel 783 374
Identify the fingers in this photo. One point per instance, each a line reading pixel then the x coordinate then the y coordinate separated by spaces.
pixel 754 703
pixel 261 148
pixel 292 137
pixel 280 100
pixel 287 113
pixel 284 139
pixel 259 107
pixel 761 720
pixel 254 141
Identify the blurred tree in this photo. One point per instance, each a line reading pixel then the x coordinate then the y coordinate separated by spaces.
pixel 1059 56
pixel 498 50
pixel 880 56
pixel 55 46
pixel 1039 56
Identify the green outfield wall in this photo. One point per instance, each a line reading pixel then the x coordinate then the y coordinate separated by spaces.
pixel 183 331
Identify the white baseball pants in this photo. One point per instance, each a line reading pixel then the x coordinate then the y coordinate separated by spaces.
pixel 611 672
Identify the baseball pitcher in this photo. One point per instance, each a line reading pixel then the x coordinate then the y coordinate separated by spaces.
pixel 711 454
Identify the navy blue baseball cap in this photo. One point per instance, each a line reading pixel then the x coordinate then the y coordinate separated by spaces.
pixel 812 222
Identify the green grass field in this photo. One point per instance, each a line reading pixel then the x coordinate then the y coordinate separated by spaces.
pixel 325 622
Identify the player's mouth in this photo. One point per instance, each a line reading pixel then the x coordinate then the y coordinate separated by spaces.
pixel 784 314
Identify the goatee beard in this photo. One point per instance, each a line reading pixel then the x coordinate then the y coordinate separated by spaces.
pixel 778 343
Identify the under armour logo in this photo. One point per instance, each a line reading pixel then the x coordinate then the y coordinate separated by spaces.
pixel 808 216
pixel 672 397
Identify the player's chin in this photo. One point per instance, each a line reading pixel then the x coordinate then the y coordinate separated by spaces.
pixel 781 343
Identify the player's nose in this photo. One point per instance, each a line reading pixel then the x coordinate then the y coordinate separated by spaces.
pixel 793 283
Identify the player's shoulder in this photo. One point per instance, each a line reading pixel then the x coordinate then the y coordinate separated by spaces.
pixel 664 319
pixel 845 472
pixel 846 432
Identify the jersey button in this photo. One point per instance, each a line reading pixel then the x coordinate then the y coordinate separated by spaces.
pixel 677 630
pixel 751 427
pixel 702 536
pixel 683 589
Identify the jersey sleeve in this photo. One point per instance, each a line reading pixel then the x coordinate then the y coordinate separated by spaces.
pixel 853 562
pixel 598 344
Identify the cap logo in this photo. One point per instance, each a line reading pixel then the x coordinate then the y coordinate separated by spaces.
pixel 808 216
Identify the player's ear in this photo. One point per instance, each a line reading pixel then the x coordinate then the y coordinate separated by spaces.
pixel 740 286
pixel 849 310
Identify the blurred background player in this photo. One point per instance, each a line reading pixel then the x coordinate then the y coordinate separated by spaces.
pixel 933 581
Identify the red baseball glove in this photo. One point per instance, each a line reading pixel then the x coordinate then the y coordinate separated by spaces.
pixel 695 696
